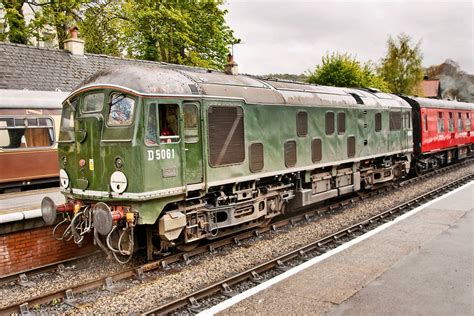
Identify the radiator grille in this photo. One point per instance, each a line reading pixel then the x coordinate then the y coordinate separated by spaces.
pixel 290 153
pixel 226 135
pixel 378 122
pixel 302 124
pixel 351 146
pixel 316 150
pixel 256 157
pixel 341 123
pixel 329 123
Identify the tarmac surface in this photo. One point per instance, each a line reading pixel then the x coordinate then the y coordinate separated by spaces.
pixel 422 265
pixel 27 200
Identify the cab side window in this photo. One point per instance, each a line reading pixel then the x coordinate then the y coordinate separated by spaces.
pixel 162 124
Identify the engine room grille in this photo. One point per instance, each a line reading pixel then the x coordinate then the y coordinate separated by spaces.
pixel 290 153
pixel 226 135
pixel 316 150
pixel 302 124
pixel 256 157
pixel 351 146
pixel 378 122
pixel 341 123
pixel 329 123
pixel 395 121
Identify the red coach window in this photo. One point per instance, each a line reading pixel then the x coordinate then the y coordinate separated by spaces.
pixel 440 122
pixel 468 122
pixel 425 122
pixel 451 122
pixel 459 121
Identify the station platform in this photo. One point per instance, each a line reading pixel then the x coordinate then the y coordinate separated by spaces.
pixel 22 210
pixel 420 264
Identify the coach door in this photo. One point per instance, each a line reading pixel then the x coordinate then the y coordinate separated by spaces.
pixel 192 142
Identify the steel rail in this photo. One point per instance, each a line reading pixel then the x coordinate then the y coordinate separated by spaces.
pixel 252 274
pixel 136 272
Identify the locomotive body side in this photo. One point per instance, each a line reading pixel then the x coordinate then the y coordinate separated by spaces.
pixel 193 155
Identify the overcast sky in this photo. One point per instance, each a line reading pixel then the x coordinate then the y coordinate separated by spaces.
pixel 292 36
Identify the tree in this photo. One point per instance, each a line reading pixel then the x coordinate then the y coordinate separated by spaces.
pixel 60 14
pixel 100 27
pixel 174 31
pixel 401 67
pixel 343 70
pixel 17 31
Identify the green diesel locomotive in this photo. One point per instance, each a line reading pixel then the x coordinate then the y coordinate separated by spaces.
pixel 190 154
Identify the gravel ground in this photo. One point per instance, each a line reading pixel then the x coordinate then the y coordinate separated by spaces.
pixel 89 268
pixel 162 286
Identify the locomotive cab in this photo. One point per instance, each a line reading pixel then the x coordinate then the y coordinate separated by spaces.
pixel 117 151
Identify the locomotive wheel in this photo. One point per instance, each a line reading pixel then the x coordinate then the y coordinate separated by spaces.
pixel 188 247
pixel 265 223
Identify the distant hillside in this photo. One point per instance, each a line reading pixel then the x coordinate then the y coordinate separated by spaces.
pixel 455 83
pixel 291 77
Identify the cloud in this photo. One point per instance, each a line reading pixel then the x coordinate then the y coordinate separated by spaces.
pixel 292 36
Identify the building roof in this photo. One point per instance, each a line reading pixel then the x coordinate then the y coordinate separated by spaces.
pixel 431 88
pixel 34 68
pixel 44 69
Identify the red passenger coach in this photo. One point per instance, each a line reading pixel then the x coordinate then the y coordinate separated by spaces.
pixel 442 132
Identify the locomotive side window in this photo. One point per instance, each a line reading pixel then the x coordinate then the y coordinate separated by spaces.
pixel 121 110
pixel 440 122
pixel 395 121
pixel 460 128
pixel 425 122
pixel 163 121
pixel 93 102
pixel 26 132
pixel 226 135
pixel 341 123
pixel 329 123
pixel 451 122
pixel 302 124
pixel 378 122
pixel 191 130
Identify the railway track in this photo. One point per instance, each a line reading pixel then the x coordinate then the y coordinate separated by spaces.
pixel 67 293
pixel 224 287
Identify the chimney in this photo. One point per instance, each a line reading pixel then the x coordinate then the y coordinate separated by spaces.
pixel 73 44
pixel 231 68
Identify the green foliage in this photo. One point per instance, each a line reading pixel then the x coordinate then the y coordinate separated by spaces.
pixel 183 32
pixel 59 14
pixel 401 67
pixel 343 70
pixel 190 32
pixel 100 28
pixel 14 19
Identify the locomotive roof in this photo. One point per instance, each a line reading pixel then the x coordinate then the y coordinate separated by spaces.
pixel 179 80
pixel 23 99
pixel 443 104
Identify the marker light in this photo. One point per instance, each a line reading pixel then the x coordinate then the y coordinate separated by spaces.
pixel 63 178
pixel 118 182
